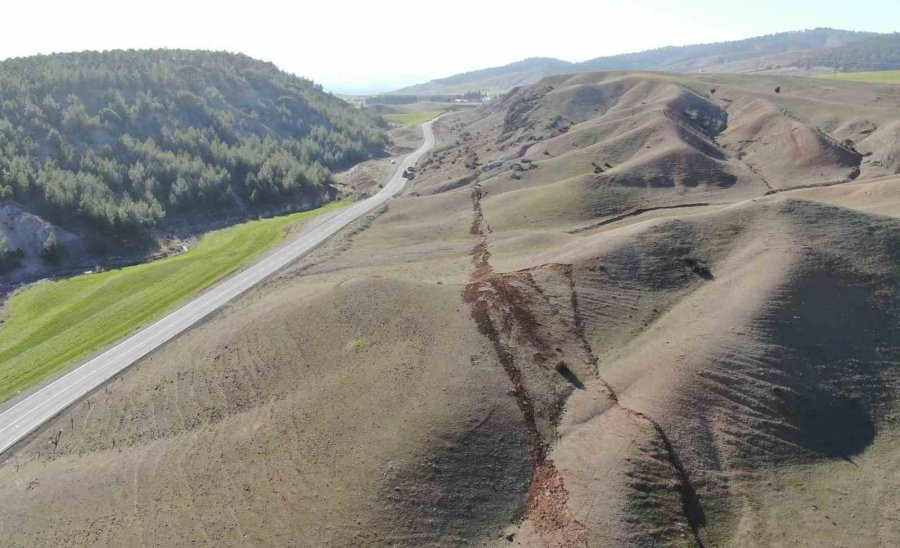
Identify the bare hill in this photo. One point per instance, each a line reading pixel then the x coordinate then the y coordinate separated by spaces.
pixel 615 309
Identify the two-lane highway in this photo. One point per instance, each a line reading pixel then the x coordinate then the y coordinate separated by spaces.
pixel 35 409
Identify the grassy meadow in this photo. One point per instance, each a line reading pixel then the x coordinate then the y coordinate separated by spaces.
pixel 407 119
pixel 879 77
pixel 52 324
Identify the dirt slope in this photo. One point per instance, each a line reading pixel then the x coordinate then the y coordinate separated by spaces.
pixel 610 310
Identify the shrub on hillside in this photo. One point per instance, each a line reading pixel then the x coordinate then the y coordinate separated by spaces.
pixel 52 250
pixel 9 259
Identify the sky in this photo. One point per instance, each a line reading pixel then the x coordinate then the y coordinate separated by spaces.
pixel 369 46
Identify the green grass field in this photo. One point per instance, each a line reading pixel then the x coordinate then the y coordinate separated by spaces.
pixel 407 119
pixel 52 324
pixel 880 77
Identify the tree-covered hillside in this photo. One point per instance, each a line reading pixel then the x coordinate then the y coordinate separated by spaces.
pixel 112 144
pixel 876 53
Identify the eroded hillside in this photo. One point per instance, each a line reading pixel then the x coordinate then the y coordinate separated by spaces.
pixel 609 310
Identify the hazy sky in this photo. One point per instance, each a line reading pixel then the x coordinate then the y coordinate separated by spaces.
pixel 385 44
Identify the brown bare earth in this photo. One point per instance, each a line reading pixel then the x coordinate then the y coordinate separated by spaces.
pixel 609 310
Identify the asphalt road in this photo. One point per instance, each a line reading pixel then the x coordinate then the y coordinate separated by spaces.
pixel 33 410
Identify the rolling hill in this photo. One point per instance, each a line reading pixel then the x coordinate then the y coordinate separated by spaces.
pixel 770 53
pixel 107 149
pixel 615 309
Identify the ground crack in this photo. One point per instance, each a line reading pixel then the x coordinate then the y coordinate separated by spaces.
pixel 546 504
pixel 499 310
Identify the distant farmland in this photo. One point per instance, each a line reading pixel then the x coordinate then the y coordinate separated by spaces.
pixel 879 77
pixel 407 119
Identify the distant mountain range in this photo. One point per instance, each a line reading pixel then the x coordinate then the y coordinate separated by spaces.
pixel 798 52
